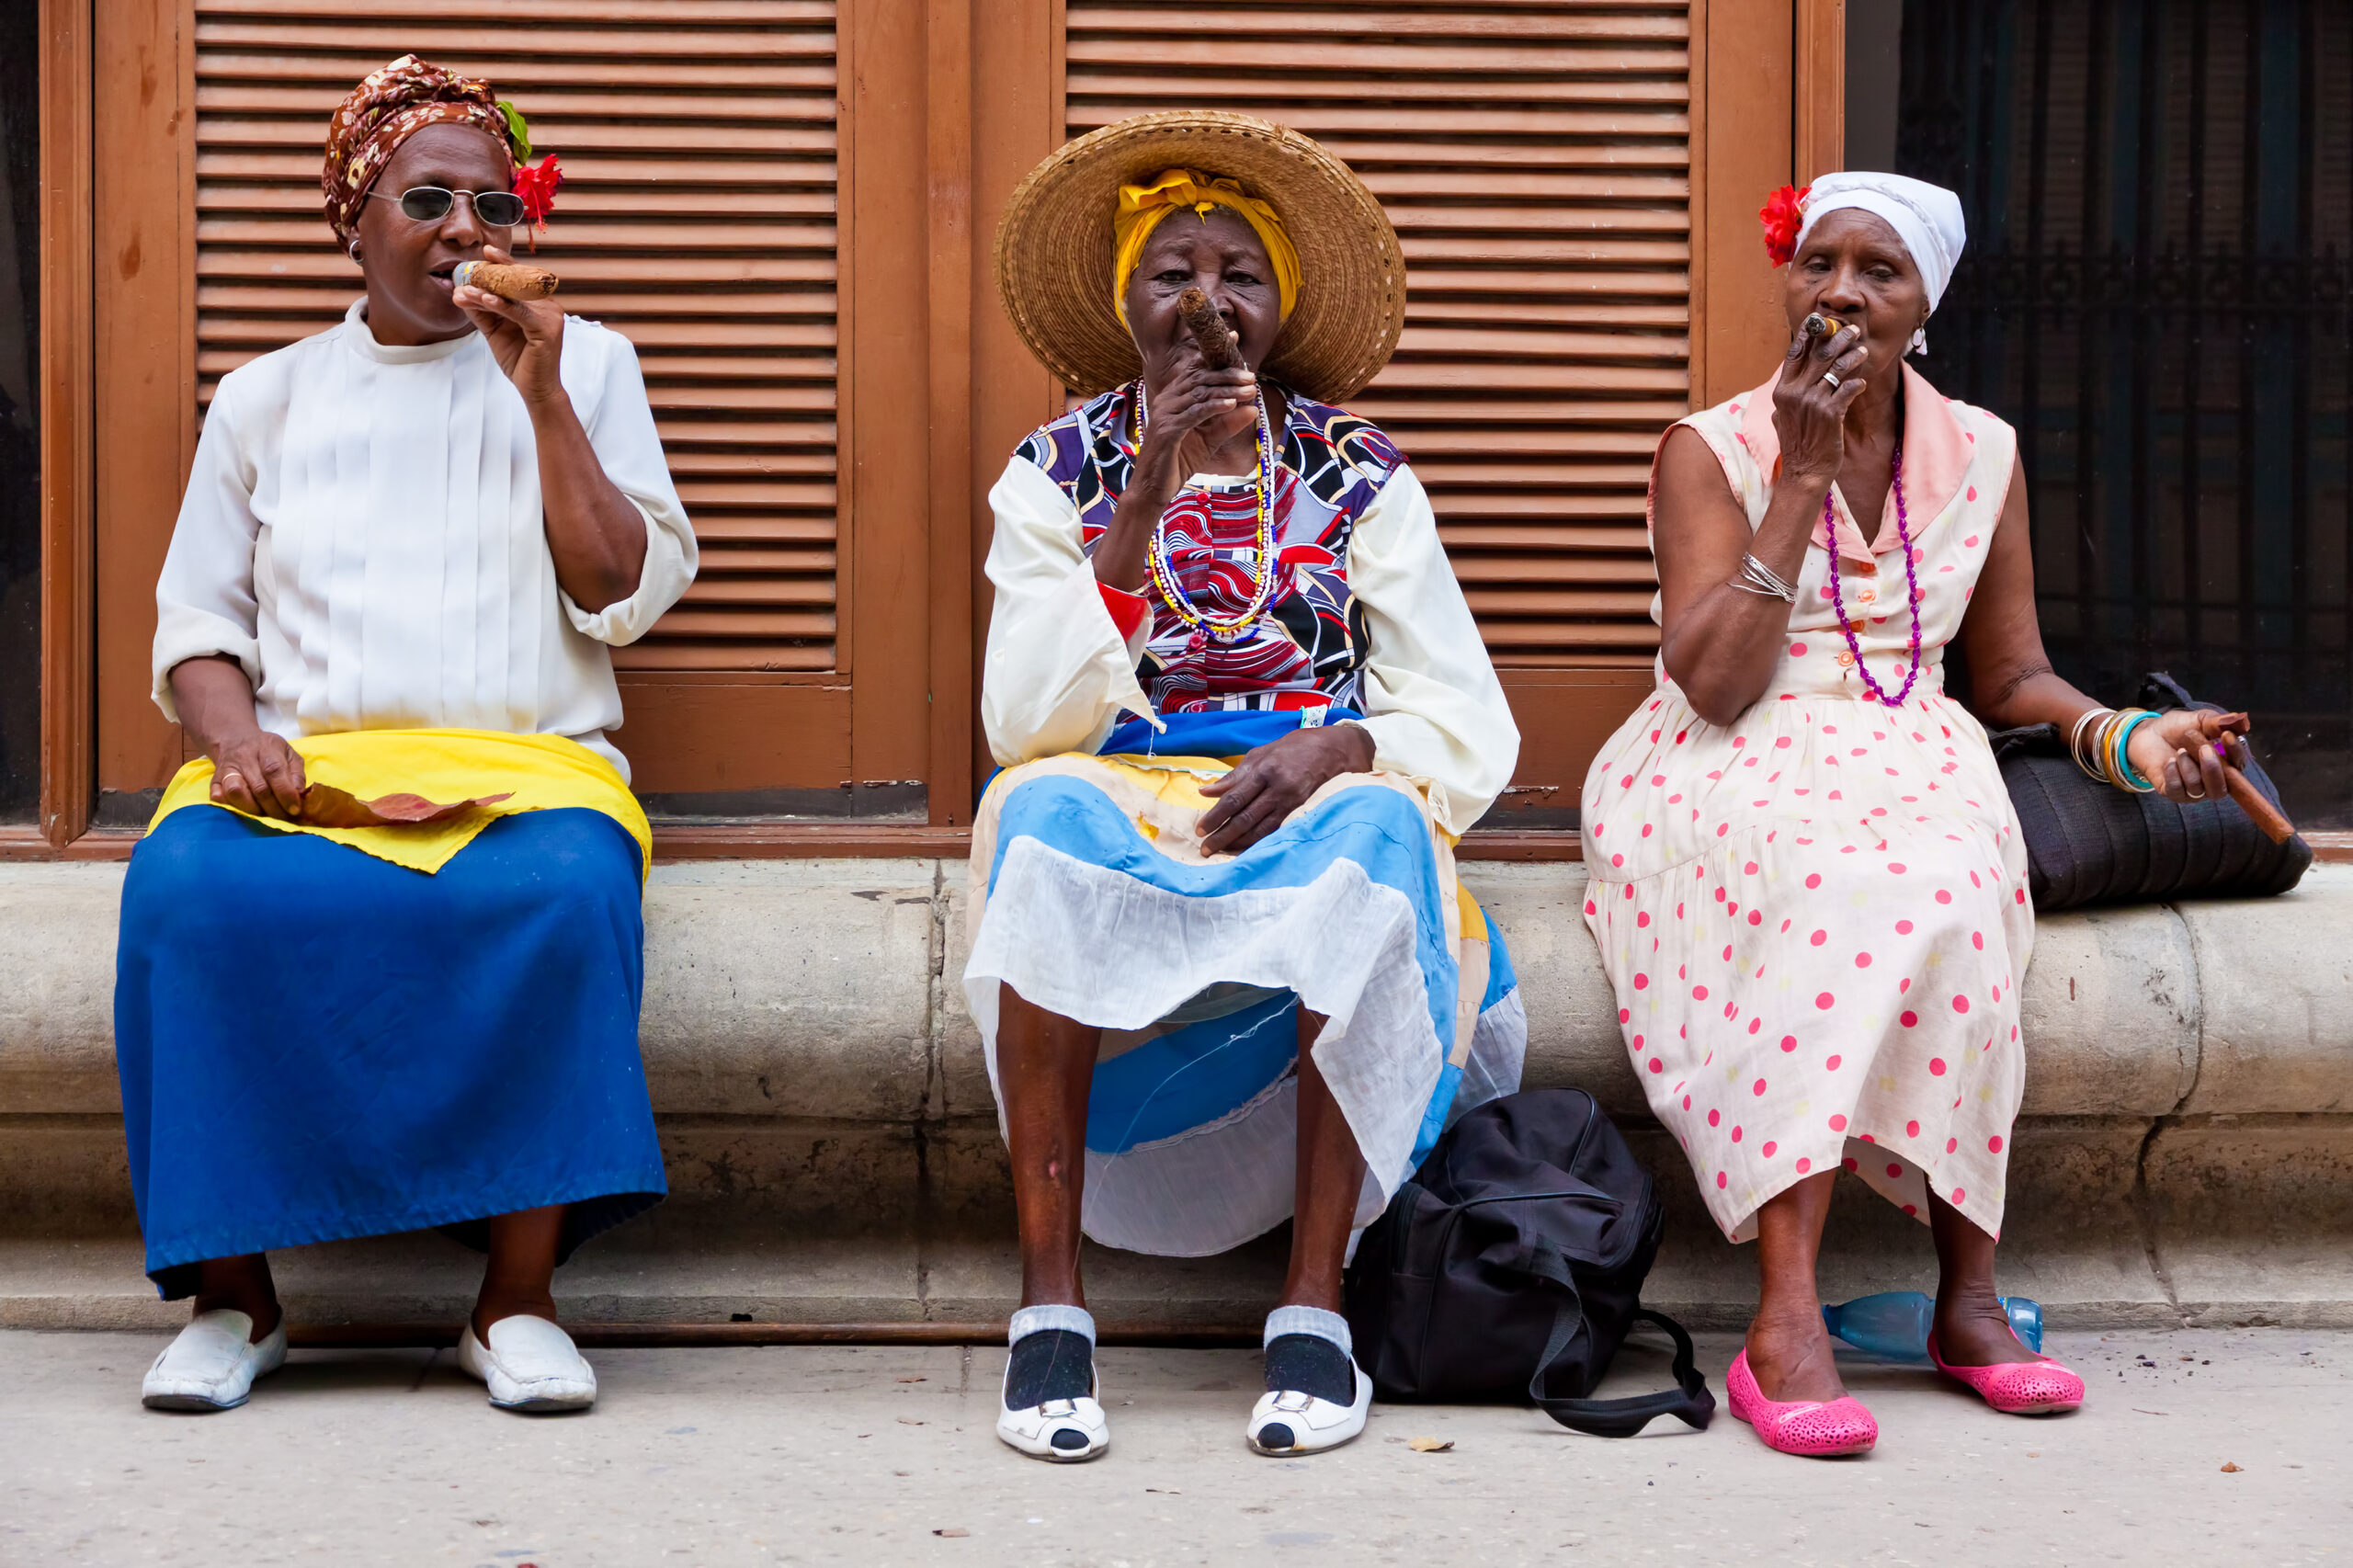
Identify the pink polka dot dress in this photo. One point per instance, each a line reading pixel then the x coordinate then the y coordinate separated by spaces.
pixel 1815 918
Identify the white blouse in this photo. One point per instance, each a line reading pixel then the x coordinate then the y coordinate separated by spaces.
pixel 1058 672
pixel 362 533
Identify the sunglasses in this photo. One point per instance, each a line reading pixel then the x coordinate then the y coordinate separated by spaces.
pixel 430 204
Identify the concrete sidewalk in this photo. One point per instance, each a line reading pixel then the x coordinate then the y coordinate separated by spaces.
pixel 886 1456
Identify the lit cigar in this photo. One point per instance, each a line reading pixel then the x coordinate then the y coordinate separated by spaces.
pixel 1219 349
pixel 1819 326
pixel 507 280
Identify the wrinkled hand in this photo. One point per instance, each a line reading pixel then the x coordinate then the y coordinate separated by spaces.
pixel 1273 780
pixel 2182 753
pixel 1198 411
pixel 259 773
pixel 1809 414
pixel 526 335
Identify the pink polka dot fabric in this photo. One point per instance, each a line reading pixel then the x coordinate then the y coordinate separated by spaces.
pixel 1830 872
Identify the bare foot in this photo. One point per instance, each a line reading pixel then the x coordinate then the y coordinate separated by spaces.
pixel 1788 1352
pixel 1972 1331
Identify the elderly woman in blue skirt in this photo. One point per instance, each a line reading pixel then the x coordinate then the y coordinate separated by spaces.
pixel 1220 963
pixel 381 951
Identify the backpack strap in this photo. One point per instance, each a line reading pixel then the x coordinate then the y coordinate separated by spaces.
pixel 1688 1401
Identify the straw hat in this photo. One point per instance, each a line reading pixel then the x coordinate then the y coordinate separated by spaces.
pixel 1053 249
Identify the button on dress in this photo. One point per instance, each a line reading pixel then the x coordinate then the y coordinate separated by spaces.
pixel 1815 918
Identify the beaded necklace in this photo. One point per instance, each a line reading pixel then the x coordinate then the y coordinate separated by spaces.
pixel 1911 580
pixel 1207 627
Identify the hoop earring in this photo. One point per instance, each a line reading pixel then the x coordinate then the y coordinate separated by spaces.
pixel 1920 338
pixel 354 249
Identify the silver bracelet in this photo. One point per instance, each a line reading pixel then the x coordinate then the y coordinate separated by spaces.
pixel 1760 579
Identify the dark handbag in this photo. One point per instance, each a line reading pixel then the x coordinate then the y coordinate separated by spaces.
pixel 1511 1265
pixel 2089 843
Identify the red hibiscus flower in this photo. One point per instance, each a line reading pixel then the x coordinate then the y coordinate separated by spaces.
pixel 536 184
pixel 1782 214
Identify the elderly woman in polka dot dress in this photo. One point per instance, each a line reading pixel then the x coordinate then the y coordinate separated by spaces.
pixel 1807 881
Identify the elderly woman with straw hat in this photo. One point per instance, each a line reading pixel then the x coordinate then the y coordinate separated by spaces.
pixel 1221 963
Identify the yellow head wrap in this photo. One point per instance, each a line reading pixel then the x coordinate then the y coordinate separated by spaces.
pixel 1141 207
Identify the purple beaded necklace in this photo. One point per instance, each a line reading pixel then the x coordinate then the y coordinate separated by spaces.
pixel 1911 580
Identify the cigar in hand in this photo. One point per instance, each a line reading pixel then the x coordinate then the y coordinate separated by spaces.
pixel 1219 349
pixel 508 281
pixel 2218 729
pixel 1819 326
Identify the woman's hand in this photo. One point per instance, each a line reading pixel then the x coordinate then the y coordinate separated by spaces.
pixel 2182 753
pixel 526 335
pixel 260 774
pixel 1809 414
pixel 1274 779
pixel 252 769
pixel 1196 412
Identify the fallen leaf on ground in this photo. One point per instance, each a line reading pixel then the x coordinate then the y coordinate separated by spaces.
pixel 1431 1444
pixel 2229 1469
pixel 953 1530
pixel 911 1380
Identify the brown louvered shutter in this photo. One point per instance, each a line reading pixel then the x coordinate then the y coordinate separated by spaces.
pixel 697 217
pixel 1535 159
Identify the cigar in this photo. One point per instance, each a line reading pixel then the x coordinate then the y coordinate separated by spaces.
pixel 506 280
pixel 1819 326
pixel 2260 810
pixel 1219 350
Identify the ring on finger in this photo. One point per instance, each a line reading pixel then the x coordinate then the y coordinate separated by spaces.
pixel 1832 377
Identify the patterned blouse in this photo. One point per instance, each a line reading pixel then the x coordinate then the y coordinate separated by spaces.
pixel 1365 614
pixel 1308 648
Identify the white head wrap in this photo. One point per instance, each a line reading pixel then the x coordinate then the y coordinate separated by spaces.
pixel 1926 216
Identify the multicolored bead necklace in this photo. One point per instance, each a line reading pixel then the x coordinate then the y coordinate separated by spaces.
pixel 1206 627
pixel 1911 579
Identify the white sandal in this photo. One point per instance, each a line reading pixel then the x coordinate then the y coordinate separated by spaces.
pixel 212 1365
pixel 531 1365
pixel 1289 1423
pixel 1060 1431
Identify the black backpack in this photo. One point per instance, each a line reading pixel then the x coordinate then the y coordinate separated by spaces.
pixel 1511 1265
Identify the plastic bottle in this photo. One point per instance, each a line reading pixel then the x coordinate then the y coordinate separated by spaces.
pixel 1894 1326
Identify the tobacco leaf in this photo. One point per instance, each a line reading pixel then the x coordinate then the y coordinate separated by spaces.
pixel 323 805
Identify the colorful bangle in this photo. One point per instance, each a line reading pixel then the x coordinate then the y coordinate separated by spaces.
pixel 2127 776
pixel 2089 719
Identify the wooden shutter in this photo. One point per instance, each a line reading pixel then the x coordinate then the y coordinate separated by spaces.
pixel 1535 160
pixel 697 216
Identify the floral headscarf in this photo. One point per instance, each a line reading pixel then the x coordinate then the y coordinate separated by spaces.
pixel 393 104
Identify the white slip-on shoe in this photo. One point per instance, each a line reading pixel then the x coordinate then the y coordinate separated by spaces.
pixel 1061 1431
pixel 530 1365
pixel 214 1363
pixel 1290 1422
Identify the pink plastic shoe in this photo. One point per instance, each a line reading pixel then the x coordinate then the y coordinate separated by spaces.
pixel 1813 1428
pixel 2040 1387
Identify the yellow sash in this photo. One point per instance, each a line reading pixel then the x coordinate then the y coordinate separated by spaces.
pixel 536 773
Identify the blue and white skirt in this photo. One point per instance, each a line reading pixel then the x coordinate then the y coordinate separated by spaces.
pixel 316 1044
pixel 1092 899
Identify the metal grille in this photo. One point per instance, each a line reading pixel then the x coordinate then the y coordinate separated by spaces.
pixel 2160 201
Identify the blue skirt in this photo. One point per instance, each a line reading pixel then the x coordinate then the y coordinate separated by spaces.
pixel 316 1044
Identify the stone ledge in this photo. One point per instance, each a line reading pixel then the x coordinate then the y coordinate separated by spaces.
pixel 2185 1152
pixel 828 989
